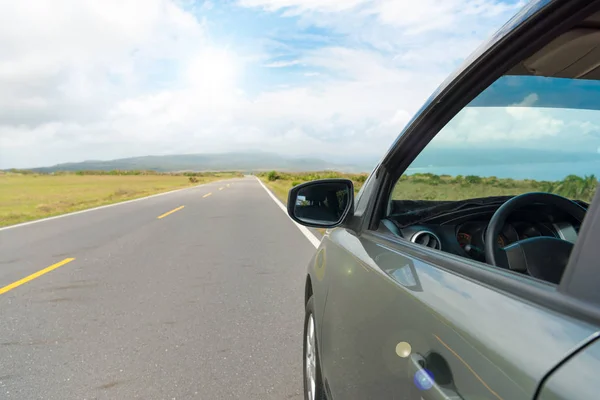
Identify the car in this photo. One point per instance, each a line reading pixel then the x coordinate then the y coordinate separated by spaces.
pixel 466 266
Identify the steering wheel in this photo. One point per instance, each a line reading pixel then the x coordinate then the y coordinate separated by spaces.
pixel 541 257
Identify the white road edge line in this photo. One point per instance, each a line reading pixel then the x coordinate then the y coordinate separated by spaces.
pixel 309 235
pixel 101 207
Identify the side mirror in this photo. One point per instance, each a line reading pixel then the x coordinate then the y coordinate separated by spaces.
pixel 323 203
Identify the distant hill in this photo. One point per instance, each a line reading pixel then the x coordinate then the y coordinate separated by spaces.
pixel 262 161
pixel 203 162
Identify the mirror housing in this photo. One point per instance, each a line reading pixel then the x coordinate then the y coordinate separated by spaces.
pixel 323 203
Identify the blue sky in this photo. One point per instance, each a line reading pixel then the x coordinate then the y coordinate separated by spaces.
pixel 336 79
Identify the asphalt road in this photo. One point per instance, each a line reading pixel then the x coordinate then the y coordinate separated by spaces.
pixel 204 303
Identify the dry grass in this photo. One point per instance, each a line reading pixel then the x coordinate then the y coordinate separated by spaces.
pixel 29 197
pixel 280 188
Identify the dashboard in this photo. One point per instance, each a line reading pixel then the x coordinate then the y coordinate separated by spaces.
pixel 470 235
pixel 463 232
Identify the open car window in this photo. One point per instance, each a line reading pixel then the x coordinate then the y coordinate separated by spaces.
pixel 522 134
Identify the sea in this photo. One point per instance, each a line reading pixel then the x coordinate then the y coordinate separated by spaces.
pixel 538 172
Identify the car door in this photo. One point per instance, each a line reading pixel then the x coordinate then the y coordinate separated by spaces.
pixel 398 315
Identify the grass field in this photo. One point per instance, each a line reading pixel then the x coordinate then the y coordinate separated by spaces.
pixel 444 187
pixel 26 197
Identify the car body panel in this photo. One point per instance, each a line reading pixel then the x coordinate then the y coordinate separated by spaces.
pixel 383 297
pixel 577 378
pixel 319 288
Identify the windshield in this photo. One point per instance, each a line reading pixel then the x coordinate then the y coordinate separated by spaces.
pixel 522 134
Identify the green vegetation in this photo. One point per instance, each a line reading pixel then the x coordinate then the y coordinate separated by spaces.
pixel 573 187
pixel 445 187
pixel 25 196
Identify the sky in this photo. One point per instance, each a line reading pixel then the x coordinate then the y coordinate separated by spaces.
pixel 336 79
pixel 529 112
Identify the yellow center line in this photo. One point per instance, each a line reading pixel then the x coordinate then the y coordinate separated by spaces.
pixel 207 194
pixel 170 212
pixel 35 275
pixel 228 185
pixel 221 188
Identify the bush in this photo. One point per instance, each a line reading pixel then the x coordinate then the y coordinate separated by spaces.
pixel 493 181
pixel 458 179
pixel 435 180
pixel 473 179
pixel 576 187
pixel 20 171
pixel 506 183
pixel 193 179
pixel 361 178
pixel 272 176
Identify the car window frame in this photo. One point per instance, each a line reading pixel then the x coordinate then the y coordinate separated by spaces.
pixel 358 221
pixel 525 39
pixel 364 194
pixel 581 278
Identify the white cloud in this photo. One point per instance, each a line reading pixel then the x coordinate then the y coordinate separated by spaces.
pixel 282 64
pixel 428 15
pixel 523 126
pixel 111 79
pixel 528 101
pixel 304 5
pixel 70 60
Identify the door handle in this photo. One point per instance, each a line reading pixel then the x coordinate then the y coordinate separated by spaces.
pixel 424 371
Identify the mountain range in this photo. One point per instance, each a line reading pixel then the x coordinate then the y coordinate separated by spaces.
pixel 258 161
pixel 263 161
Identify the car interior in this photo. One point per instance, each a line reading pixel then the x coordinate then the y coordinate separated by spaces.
pixel 532 233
